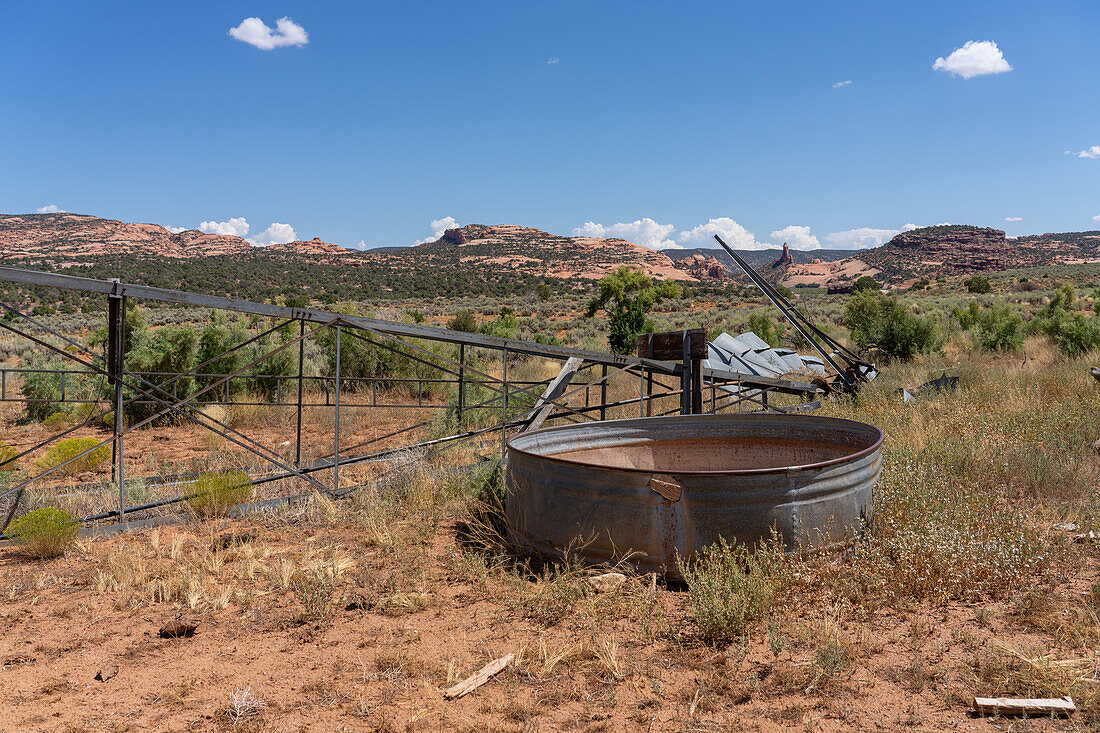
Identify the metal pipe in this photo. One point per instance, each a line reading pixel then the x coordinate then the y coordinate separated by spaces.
pixel 336 438
pixel 301 364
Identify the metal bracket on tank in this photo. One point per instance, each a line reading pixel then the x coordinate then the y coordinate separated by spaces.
pixel 666 486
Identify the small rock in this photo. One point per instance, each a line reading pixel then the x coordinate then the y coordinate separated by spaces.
pixel 1085 537
pixel 178 628
pixel 607 582
pixel 106 673
pixel 1065 527
pixel 1096 447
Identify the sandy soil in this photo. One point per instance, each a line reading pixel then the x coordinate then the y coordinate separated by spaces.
pixel 632 661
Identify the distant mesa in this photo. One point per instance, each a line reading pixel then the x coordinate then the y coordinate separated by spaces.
pixel 704 268
pixel 507 249
pixel 313 247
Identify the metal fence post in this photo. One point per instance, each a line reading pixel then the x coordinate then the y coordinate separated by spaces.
pixel 301 362
pixel 336 440
pixel 461 382
pixel 116 337
pixel 504 406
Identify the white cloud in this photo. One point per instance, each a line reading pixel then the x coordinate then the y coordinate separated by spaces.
pixel 909 227
pixel 275 234
pixel 864 237
pixel 49 209
pixel 438 226
pixel 840 84
pixel 1096 218
pixel 176 230
pixel 1092 152
pixel 553 60
pixel 234 227
pixel 255 32
pixel 1014 218
pixel 975 58
pixel 645 232
pixel 797 237
pixel 362 244
pixel 735 235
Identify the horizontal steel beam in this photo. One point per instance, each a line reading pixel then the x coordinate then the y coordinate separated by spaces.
pixel 393 328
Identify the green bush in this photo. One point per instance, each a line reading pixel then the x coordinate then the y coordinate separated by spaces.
pixel 730 587
pixel 627 296
pixel 865 283
pixel 7 457
pixel 463 321
pixel 1074 332
pixel 762 326
pixel 70 448
pixel 978 284
pixel 44 533
pixel 997 328
pixel 880 321
pixel 1079 334
pixel 506 325
pixel 214 494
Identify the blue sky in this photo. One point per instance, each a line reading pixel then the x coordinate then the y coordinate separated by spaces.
pixel 662 118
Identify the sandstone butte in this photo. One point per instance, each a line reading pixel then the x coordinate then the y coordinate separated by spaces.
pixel 927 252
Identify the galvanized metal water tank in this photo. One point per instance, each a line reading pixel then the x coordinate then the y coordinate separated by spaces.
pixel 668 485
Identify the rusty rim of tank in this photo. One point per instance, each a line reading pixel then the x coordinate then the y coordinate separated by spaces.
pixel 879 438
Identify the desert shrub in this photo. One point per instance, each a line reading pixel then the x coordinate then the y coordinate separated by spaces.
pixel 730 588
pixel 997 328
pixel 880 321
pixel 282 363
pixel 1079 334
pixel 7 457
pixel 42 389
pixel 214 494
pixel 762 326
pixel 865 283
pixel 68 449
pixel 217 337
pixel 56 420
pixel 546 338
pixel 44 533
pixel 505 325
pixel 1074 332
pixel 463 321
pixel 977 284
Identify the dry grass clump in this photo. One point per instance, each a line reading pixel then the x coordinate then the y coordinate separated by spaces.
pixel 731 587
pixel 934 538
pixel 189 572
pixel 971 477
pixel 44 533
pixel 214 494
pixel 69 449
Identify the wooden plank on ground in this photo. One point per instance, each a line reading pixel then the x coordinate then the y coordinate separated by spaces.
pixel 479 678
pixel 1024 706
pixel 554 390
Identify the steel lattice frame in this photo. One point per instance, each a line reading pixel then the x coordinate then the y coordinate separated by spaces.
pixel 157 390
